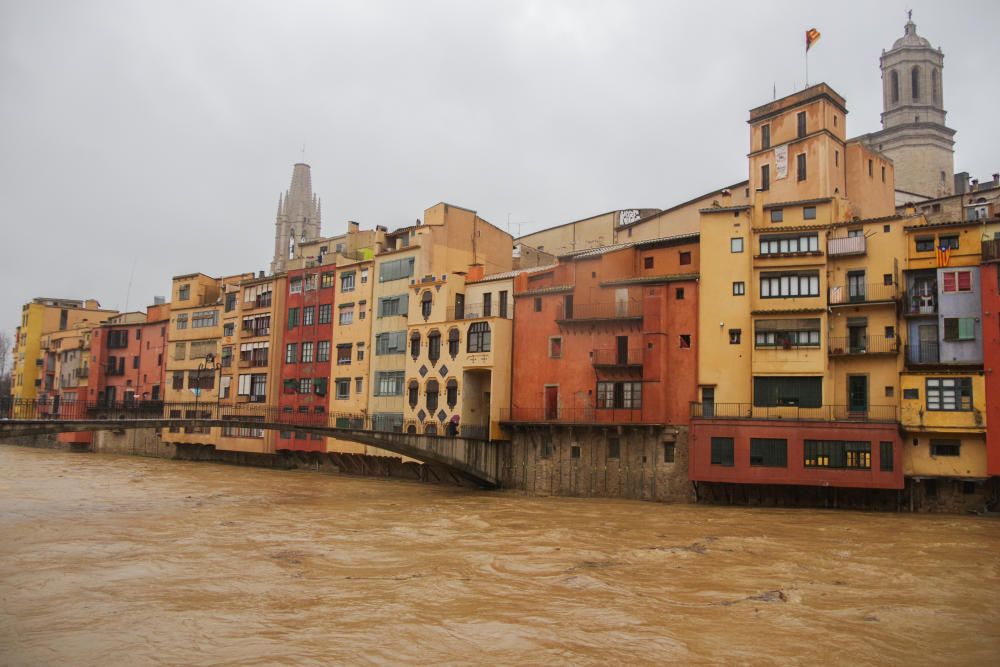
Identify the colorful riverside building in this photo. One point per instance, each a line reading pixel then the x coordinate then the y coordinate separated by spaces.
pixel 604 370
pixel 128 357
pixel 39 317
pixel 450 240
pixel 799 358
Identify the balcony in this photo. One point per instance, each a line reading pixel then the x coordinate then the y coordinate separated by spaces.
pixel 861 293
pixel 847 246
pixel 615 358
pixel 921 300
pixel 83 372
pixel 572 415
pixel 991 250
pixel 472 311
pixel 928 352
pixel 864 344
pixel 828 413
pixel 595 312
pixel 254 333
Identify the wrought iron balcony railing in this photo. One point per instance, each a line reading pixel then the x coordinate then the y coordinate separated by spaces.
pixel 852 294
pixel 866 344
pixel 831 413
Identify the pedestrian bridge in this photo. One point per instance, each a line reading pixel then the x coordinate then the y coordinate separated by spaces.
pixel 473 458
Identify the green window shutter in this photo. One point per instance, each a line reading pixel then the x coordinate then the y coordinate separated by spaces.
pixel 966 328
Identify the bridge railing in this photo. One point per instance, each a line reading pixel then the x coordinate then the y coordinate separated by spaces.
pixel 134 410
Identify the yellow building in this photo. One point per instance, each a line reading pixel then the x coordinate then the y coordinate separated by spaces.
pixel 352 343
pixel 39 317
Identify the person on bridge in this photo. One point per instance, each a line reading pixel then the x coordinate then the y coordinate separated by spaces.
pixel 452 429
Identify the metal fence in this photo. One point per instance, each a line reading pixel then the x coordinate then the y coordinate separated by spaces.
pixel 845 413
pixel 868 344
pixel 573 415
pixel 862 293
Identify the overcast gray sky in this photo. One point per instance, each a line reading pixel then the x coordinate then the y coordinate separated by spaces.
pixel 161 133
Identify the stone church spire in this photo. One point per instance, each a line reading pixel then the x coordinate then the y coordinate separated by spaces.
pixel 298 218
pixel 914 134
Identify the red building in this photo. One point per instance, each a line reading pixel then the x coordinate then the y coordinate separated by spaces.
pixel 990 290
pixel 305 360
pixel 128 355
pixel 604 363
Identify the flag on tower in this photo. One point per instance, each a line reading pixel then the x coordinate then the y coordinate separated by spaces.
pixel 812 36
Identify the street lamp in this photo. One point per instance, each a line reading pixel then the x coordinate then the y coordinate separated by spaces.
pixel 207 364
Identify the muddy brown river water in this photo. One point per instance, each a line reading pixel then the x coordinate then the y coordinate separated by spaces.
pixel 127 561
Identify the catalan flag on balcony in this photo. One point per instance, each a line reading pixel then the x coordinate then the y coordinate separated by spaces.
pixel 812 36
pixel 943 255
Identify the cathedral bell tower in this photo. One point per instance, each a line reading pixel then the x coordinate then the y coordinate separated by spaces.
pixel 914 134
pixel 298 218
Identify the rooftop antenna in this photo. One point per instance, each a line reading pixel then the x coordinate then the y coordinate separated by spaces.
pixel 128 291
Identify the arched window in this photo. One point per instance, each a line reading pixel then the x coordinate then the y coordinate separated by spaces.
pixel 411 391
pixel 894 85
pixel 452 392
pixel 426 301
pixel 935 87
pixel 915 83
pixel 415 344
pixel 431 429
pixel 479 337
pixel 434 346
pixel 453 338
pixel 411 429
pixel 432 395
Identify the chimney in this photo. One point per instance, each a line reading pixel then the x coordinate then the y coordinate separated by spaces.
pixel 476 272
pixel 260 274
pixel 910 208
pixel 159 300
pixel 353 227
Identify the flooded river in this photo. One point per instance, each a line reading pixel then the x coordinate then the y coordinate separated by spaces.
pixel 127 561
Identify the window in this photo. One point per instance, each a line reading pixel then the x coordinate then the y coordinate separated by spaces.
pixel 361 351
pixel 392 306
pixel 800 166
pixel 291 353
pixel 620 395
pixel 293 318
pixel 308 316
pixel 957 281
pixel 836 158
pixel 777 214
pixel 765 177
pixel 453 342
pixel 326 280
pixel 925 243
pixel 364 276
pixel 739 288
pixel 479 337
pixel 736 244
pixel 538 304
pixel 775 244
pixel 804 392
pixel 178 381
pixel 426 304
pixel 911 394
pixel 412 393
pixel 949 242
pixel 808 212
pixel 358 385
pixel 432 395
pixel 183 292
pixel 949 394
pixel 734 336
pixel 503 303
pixel 342 389
pixel 946 448
pixel 389 383
pixel 231 302
pixel 787 334
pixel 346 316
pixel 295 286
pixel 685 341
pixel 395 269
pixel 555 347
pixel 488 304
pixel 769 452
pixel 915 83
pixel 854 455
pixel 451 393
pixel 883 174
pixel 789 285
pixel 305 385
pixel 323 350
pixel 347 281
pixel 307 352
pixel 800 119
pixel 765 137
pixel 182 321
pixel 870 171
pixel 959 328
pixel 722 452
pixel 325 313
pixel 319 387
pixel 889 391
pixel 415 344
pixel 434 345
pixel 392 342
pixel 180 351
pixel 679 293
pixel 685 257
pixel 894 86
pixel 669 450
pixel 647 263
pixel 228 328
pixel 885 456
pixel 310 282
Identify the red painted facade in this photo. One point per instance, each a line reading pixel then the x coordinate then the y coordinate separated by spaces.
pixel 139 354
pixel 608 337
pixel 315 295
pixel 795 433
pixel 990 290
